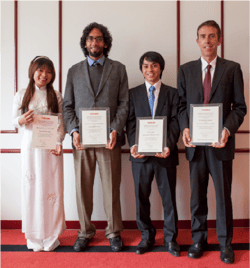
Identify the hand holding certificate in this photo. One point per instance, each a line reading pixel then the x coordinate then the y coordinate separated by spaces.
pixel 44 134
pixel 151 135
pixel 205 124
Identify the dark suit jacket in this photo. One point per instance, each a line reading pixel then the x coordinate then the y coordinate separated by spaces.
pixel 167 106
pixel 227 88
pixel 112 93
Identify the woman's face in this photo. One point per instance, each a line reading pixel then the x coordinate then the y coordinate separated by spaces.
pixel 42 76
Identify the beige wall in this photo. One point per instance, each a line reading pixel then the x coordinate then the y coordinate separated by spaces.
pixel 136 27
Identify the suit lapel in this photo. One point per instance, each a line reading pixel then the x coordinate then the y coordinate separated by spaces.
pixel 198 77
pixel 219 70
pixel 143 99
pixel 106 71
pixel 86 78
pixel 161 101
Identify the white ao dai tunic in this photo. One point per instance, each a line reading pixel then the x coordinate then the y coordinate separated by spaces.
pixel 42 176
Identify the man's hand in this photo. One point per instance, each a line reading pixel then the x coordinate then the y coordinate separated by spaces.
pixel 134 154
pixel 57 151
pixel 112 142
pixel 223 140
pixel 186 138
pixel 76 141
pixel 26 118
pixel 164 154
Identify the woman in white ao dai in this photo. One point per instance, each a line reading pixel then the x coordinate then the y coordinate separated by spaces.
pixel 43 217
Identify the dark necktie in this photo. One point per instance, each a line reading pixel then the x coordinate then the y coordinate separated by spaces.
pixel 207 85
pixel 151 99
pixel 96 63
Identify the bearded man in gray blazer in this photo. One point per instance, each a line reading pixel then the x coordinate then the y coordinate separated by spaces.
pixel 97 82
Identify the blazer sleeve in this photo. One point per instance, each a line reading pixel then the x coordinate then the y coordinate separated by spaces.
pixel 120 118
pixel 131 121
pixel 182 114
pixel 239 108
pixel 69 115
pixel 173 131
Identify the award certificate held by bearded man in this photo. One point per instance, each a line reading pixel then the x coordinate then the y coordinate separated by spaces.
pixel 94 127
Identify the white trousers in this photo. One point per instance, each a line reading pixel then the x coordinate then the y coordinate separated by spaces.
pixel 48 244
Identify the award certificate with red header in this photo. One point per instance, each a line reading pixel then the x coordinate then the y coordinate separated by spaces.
pixel 151 135
pixel 44 134
pixel 94 127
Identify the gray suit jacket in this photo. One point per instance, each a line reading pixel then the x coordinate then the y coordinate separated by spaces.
pixel 112 93
pixel 227 88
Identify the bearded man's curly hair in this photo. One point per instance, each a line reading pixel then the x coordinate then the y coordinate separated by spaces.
pixel 106 36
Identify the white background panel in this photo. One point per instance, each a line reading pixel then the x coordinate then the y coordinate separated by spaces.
pixel 37 36
pixel 193 13
pixel 240 186
pixel 7 64
pixel 11 186
pixel 236 41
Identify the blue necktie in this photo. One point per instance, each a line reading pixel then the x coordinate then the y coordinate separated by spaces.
pixel 151 99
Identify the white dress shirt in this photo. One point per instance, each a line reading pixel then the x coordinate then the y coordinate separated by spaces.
pixel 204 65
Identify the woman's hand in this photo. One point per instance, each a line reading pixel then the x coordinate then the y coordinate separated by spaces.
pixel 57 151
pixel 26 118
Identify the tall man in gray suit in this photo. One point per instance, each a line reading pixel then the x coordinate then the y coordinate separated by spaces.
pixel 211 79
pixel 97 82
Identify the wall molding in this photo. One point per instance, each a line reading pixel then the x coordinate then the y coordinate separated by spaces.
pixel 123 151
pixel 15 60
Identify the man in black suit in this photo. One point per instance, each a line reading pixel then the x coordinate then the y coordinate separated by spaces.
pixel 198 83
pixel 162 165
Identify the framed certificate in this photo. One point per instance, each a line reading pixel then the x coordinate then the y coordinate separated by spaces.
pixel 44 134
pixel 94 127
pixel 151 134
pixel 205 123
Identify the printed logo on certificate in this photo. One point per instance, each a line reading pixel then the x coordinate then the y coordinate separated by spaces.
pixel 151 134
pixel 205 123
pixel 44 134
pixel 94 127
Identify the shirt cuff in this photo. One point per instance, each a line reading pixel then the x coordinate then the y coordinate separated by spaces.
pixel 227 130
pixel 73 130
pixel 133 146
pixel 111 129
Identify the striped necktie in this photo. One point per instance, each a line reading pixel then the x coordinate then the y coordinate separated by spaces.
pixel 151 99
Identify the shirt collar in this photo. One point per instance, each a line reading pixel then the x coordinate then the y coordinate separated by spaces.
pixel 205 64
pixel 41 88
pixel 91 61
pixel 157 85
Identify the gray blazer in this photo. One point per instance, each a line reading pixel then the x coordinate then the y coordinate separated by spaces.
pixel 112 93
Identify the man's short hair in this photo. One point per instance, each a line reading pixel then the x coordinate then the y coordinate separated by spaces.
pixel 106 37
pixel 153 56
pixel 211 23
